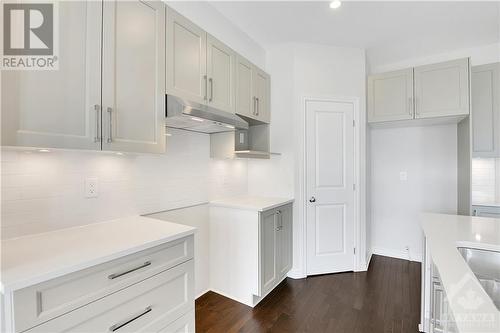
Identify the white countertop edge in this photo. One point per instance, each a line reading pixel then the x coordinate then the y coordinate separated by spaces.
pixel 4 289
pixel 221 203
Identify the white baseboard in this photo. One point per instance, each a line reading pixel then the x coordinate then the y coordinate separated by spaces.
pixel 397 254
pixel 202 293
pixel 296 274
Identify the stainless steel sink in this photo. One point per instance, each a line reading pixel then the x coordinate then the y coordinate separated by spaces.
pixel 486 266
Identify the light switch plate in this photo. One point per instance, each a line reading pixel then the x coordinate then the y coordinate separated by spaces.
pixel 91 187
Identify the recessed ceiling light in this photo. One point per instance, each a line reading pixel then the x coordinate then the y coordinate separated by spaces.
pixel 229 126
pixel 43 150
pixel 335 4
pixel 168 134
pixel 197 119
pixel 119 153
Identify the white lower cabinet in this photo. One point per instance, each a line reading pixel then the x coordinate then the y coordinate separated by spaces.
pixel 150 291
pixel 250 251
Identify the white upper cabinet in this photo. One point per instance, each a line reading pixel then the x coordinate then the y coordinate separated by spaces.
pixel 186 58
pixel 221 64
pixel 59 108
pixel 485 101
pixel 430 91
pixel 245 101
pixel 261 93
pixel 252 91
pixel 390 96
pixel 134 76
pixel 442 89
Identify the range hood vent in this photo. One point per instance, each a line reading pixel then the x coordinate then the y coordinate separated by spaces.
pixel 196 117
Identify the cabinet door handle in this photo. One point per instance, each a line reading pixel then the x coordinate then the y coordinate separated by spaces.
pixel 205 79
pixel 254 105
pixel 313 199
pixel 97 109
pixel 115 275
pixel 415 100
pixel 211 81
pixel 127 321
pixel 258 106
pixel 110 114
pixel 410 106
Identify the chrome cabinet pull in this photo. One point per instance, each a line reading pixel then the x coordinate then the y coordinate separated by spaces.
pixel 410 102
pixel 254 105
pixel 211 81
pixel 124 322
pixel 258 106
pixel 115 275
pixel 205 78
pixel 110 134
pixel 97 109
pixel 415 100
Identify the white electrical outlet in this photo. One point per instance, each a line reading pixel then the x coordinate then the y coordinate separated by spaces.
pixel 91 188
pixel 403 176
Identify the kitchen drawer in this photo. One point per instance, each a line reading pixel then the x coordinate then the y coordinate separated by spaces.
pixel 147 306
pixel 44 301
pixel 185 324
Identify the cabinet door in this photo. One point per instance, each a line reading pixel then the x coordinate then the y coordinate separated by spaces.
pixel 59 108
pixel 285 240
pixel 390 96
pixel 485 87
pixel 220 73
pixel 186 58
pixel 268 251
pixel 261 94
pixel 245 101
pixel 134 76
pixel 442 89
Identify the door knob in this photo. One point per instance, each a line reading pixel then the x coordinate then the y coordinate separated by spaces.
pixel 313 199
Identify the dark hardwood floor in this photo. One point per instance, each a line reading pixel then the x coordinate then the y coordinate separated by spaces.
pixel 384 299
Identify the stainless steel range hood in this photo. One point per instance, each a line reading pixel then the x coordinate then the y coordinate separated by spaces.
pixel 197 117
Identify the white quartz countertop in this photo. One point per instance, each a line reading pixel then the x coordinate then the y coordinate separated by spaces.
pixel 248 202
pixel 472 308
pixel 36 258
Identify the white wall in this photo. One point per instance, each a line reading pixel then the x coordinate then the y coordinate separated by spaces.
pixel 299 70
pixel 429 157
pixel 45 191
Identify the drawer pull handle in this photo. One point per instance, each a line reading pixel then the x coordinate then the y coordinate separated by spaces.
pixel 115 275
pixel 119 325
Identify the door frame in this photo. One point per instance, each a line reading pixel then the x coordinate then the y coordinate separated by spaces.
pixel 359 232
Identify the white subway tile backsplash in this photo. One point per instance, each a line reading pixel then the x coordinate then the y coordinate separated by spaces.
pixel 485 180
pixel 45 191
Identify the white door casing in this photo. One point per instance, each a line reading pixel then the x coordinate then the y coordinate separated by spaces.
pixel 330 178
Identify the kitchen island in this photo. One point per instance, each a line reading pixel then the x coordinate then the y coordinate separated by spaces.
pixel 453 298
pixel 136 272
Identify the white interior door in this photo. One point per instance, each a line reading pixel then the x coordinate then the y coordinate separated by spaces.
pixel 330 186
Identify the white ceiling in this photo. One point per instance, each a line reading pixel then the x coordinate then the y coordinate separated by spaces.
pixel 389 30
